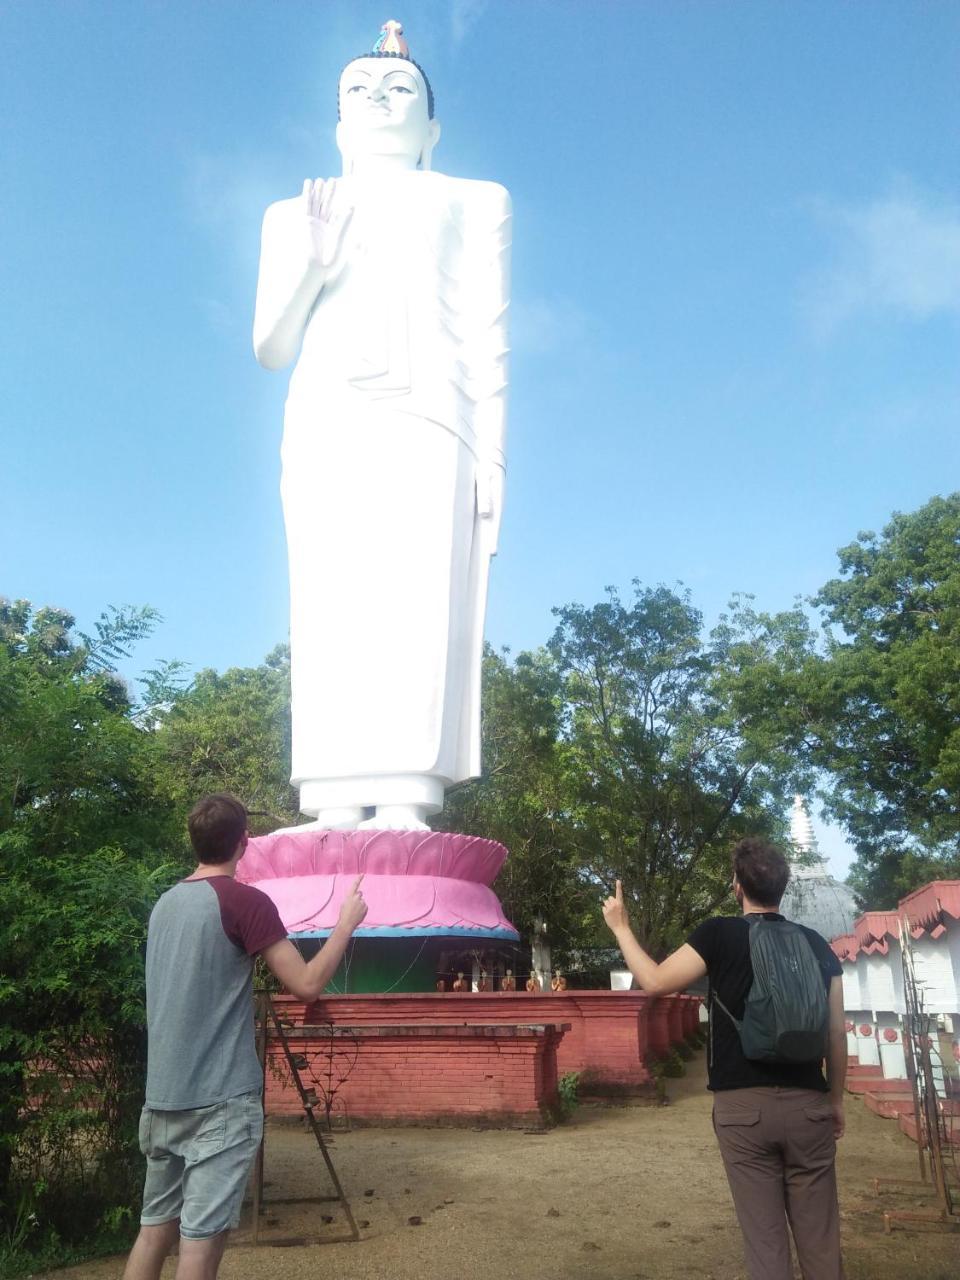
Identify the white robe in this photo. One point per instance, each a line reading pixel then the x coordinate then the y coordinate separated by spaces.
pixel 394 409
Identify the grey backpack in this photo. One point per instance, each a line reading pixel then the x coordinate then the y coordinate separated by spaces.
pixel 786 1014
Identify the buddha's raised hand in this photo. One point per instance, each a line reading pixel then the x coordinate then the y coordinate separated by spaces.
pixel 326 215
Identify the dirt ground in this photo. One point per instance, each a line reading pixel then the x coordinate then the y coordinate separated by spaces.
pixel 617 1193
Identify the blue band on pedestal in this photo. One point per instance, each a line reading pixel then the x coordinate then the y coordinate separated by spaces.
pixel 499 935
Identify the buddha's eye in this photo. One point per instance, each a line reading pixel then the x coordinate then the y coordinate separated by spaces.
pixel 400 88
pixel 357 88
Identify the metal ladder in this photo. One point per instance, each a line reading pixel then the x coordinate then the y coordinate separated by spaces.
pixel 267 1016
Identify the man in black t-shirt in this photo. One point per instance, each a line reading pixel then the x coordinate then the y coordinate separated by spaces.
pixel 776 1123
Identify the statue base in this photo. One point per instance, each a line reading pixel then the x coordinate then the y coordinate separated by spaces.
pixel 417 884
pixel 319 796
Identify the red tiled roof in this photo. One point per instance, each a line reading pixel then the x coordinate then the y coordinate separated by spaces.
pixel 931 908
pixel 873 928
pixel 845 947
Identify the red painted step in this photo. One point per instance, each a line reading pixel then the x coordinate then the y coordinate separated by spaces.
pixel 862 1082
pixel 890 1104
pixel 893 1084
pixel 907 1125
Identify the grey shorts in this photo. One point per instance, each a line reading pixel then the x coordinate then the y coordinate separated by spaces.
pixel 198 1163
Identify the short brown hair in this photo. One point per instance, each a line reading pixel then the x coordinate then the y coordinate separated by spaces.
pixel 217 824
pixel 762 870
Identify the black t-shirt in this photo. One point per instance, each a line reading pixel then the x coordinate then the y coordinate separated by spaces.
pixel 724 944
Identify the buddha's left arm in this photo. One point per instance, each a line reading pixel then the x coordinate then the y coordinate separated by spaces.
pixel 484 289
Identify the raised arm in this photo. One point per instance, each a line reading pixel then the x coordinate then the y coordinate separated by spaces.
pixel 684 967
pixel 300 252
pixel 307 980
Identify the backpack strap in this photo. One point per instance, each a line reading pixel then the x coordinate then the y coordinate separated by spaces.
pixel 709 1022
pixel 751 921
pixel 734 1020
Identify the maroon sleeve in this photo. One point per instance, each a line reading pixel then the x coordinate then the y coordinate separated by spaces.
pixel 249 918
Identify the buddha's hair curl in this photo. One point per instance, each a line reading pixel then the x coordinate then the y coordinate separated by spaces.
pixel 403 58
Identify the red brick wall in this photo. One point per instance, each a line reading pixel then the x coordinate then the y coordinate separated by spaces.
pixel 659 1036
pixel 434 1057
pixel 434 1074
pixel 611 1033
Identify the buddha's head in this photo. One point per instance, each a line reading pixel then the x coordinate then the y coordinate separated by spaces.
pixel 385 106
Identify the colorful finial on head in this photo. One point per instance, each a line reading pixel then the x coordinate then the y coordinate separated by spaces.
pixel 390 40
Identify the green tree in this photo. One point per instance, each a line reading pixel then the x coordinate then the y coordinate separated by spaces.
pixel 887 697
pixel 634 747
pixel 83 837
pixel 675 745
pixel 231 732
pixel 521 801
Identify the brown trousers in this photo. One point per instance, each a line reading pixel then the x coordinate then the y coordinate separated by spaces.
pixel 778 1149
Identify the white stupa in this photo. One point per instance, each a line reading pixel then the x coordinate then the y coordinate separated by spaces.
pixel 813 896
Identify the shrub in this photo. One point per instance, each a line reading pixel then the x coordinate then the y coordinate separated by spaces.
pixel 568 1088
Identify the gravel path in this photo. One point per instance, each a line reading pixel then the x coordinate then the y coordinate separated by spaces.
pixel 618 1193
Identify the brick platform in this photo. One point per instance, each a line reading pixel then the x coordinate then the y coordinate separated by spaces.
pixel 608 1041
pixel 441 1075
pixel 436 1057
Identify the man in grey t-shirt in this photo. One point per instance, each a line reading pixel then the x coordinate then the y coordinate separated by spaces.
pixel 203 1119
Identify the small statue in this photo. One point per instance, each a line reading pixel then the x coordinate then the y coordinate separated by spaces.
pixel 460 983
pixel 558 982
pixel 533 984
pixel 441 984
pixel 483 984
pixel 509 982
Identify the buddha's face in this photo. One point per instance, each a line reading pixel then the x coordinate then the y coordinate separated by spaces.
pixel 384 109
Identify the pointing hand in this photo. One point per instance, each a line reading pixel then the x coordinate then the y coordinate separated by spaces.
pixel 354 908
pixel 615 911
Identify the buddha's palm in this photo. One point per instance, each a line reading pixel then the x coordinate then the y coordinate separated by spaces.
pixel 326 215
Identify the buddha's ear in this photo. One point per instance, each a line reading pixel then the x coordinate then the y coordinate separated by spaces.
pixel 433 137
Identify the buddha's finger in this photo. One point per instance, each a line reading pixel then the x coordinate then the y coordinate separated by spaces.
pixel 327 199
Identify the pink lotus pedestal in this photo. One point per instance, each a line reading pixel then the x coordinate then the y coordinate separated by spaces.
pixel 425 890
pixel 415 883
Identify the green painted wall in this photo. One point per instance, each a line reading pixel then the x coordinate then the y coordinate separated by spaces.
pixel 387 964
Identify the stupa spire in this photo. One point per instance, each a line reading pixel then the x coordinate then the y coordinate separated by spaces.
pixel 801 828
pixel 811 862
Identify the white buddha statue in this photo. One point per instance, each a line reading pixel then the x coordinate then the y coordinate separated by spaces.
pixel 389 288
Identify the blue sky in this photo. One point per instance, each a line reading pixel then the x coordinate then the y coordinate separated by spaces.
pixel 736 290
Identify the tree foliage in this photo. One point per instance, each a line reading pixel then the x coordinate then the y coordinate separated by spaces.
pixel 83 836
pixel 231 732
pixel 521 800
pixel 887 697
pixel 674 745
pixel 635 747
